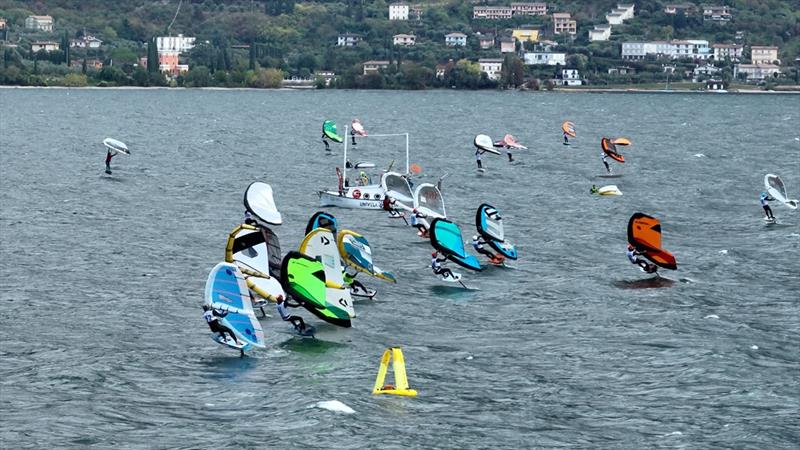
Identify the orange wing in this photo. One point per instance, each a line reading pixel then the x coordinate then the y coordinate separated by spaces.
pixel 569 128
pixel 611 150
pixel 644 233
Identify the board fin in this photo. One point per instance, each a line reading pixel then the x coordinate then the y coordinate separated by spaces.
pixel 395 355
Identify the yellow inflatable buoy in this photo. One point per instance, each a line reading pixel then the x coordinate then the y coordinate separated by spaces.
pixel 400 387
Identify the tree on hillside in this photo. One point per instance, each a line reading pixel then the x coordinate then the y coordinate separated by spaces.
pixel 513 73
pixel 679 20
pixel 252 56
pixel 65 47
pixel 278 7
pixel 465 74
pixel 268 78
pixel 152 56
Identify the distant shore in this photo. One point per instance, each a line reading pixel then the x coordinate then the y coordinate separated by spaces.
pixel 676 91
pixel 795 90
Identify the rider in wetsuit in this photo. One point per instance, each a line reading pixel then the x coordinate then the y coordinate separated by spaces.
pixel 765 198
pixel 478 245
pixel 438 269
pixel 297 321
pixel 212 316
pixel 633 256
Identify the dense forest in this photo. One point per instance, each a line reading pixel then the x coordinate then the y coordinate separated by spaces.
pixel 258 43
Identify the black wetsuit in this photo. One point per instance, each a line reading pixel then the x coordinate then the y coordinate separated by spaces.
pixel 213 322
pixel 633 256
pixel 297 321
pixel 325 141
pixel 608 168
pixel 767 209
pixel 356 283
pixel 477 244
pixel 436 265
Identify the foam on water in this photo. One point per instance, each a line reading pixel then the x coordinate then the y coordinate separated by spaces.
pixel 335 406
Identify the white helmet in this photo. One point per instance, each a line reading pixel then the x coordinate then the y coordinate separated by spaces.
pixel 475 237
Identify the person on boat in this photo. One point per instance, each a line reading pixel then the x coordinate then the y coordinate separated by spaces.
pixel 212 316
pixel 296 321
pixel 633 256
pixel 353 135
pixel 566 138
pixel 363 179
pixel 765 199
pixel 594 190
pixel 438 269
pixel 248 218
pixel 478 244
pixel 605 163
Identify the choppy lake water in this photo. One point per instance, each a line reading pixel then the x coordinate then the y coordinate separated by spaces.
pixel 103 343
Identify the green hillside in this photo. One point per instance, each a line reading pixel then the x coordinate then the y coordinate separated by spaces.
pixel 238 41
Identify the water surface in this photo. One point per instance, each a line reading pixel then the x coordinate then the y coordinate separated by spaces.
pixel 103 342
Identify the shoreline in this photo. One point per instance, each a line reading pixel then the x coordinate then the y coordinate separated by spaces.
pixel 615 90
pixel 677 91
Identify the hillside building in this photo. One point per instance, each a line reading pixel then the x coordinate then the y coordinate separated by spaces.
pixel 727 51
pixel 456 39
pixel 492 66
pixel 763 54
pixel 398 11
pixel 563 24
pixel 39 23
